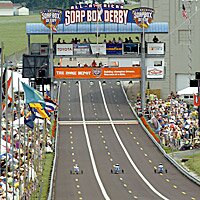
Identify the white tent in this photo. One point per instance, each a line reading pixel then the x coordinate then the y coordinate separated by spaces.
pixel 21 121
pixel 188 91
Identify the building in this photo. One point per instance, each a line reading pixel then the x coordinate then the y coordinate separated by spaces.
pixel 22 11
pixel 182 42
pixel 6 8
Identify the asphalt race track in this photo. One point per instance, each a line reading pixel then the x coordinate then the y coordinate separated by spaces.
pixel 98 129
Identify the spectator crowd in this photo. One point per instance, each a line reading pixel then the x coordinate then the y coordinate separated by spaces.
pixel 175 121
pixel 22 153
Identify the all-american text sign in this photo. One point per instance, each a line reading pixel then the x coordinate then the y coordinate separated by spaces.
pixel 98 73
pixel 112 13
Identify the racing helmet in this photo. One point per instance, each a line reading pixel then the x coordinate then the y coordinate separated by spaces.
pixel 160 163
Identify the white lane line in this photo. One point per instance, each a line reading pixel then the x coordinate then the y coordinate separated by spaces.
pixel 90 149
pixel 126 152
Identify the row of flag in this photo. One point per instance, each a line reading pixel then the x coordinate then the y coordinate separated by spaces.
pixel 39 106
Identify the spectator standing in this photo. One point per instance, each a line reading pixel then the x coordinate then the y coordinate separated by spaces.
pixel 126 40
pixel 155 39
pixel 130 40
pixel 94 64
pixel 120 40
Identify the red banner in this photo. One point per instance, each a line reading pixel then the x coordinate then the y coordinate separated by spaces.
pixel 97 73
pixel 196 100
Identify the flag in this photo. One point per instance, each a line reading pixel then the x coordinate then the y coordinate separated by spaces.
pixel 50 105
pixel 32 95
pixel 29 120
pixel 196 100
pixel 48 95
pixel 39 111
pixel 9 90
pixel 184 12
pixel 6 91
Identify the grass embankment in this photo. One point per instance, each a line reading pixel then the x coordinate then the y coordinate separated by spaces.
pixel 44 180
pixel 194 163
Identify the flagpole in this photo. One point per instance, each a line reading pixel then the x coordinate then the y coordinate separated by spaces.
pixel 6 107
pixel 12 139
pixel 51 59
pixel 19 134
pixel 1 81
pixel 143 80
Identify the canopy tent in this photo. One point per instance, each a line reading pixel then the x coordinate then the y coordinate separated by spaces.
pixel 21 121
pixel 188 91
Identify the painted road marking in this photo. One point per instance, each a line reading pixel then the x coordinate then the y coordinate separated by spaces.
pixel 73 160
pixel 76 179
pixel 104 141
pixel 72 148
pixel 130 191
pixel 106 147
pixel 137 143
pixel 175 186
pixel 71 137
pixel 79 192
pixel 134 138
pixel 145 155
pixel 111 159
pixel 126 152
pixel 183 193
pixel 125 185
pixel 167 180
pixel 103 190
pixel 72 153
pixel 108 153
pixel 121 179
pixel 135 197
pixel 71 142
pixel 131 133
pixel 141 148
pixel 78 186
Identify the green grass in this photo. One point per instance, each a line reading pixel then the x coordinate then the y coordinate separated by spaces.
pixel 45 178
pixel 13 33
pixel 194 163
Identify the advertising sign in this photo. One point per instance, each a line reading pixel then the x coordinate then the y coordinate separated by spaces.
pixel 51 18
pixel 112 13
pixel 82 49
pixel 131 48
pixel 155 72
pixel 114 49
pixel 64 49
pixel 196 100
pixel 98 48
pixel 156 48
pixel 98 73
pixel 143 16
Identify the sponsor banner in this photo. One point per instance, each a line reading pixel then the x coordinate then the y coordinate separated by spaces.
pixel 98 48
pixel 114 49
pixel 111 13
pixel 196 100
pixel 82 49
pixel 155 48
pixel 98 73
pixel 64 49
pixel 51 18
pixel 155 72
pixel 143 16
pixel 131 48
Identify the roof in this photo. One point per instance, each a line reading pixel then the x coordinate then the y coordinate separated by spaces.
pixel 188 90
pixel 6 4
pixel 86 28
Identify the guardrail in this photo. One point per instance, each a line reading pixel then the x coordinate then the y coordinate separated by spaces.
pixel 178 166
pixel 53 173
